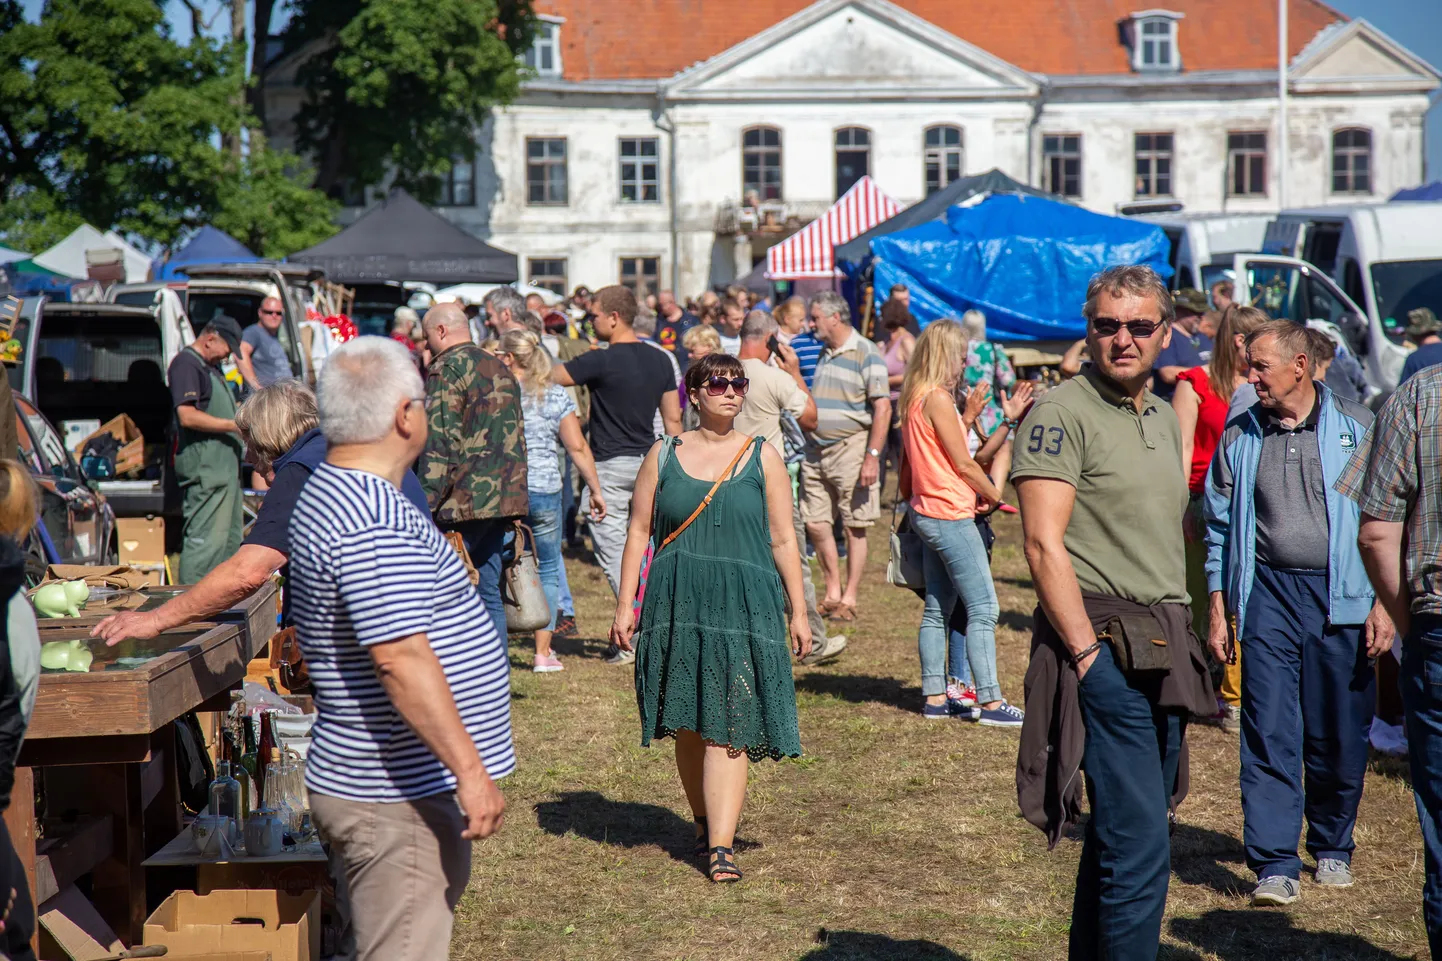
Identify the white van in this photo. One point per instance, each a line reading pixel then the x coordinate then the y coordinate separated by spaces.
pixel 1387 260
pixel 1204 245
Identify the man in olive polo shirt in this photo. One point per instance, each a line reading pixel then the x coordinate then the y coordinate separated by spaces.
pixel 1099 475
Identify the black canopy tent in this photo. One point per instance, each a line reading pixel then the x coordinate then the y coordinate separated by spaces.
pixel 857 251
pixel 402 239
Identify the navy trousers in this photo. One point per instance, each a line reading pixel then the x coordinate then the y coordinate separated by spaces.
pixel 1131 756
pixel 1308 693
pixel 1422 701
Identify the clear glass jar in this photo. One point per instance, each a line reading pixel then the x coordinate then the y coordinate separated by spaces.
pixel 225 802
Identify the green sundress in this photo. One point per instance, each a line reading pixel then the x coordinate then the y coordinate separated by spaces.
pixel 713 650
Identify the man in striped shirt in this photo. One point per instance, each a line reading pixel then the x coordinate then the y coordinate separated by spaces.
pixel 794 332
pixel 841 473
pixel 411 678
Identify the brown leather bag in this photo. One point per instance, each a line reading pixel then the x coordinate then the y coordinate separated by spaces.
pixel 288 662
pixel 458 545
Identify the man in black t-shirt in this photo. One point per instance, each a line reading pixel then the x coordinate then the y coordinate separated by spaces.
pixel 628 381
pixel 672 324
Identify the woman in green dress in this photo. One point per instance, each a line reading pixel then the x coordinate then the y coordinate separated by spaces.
pixel 714 640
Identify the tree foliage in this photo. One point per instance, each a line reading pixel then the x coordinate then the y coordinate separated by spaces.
pixel 105 117
pixel 400 86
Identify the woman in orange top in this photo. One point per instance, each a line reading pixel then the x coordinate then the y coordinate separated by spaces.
pixel 945 483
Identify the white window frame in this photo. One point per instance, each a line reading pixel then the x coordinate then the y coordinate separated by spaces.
pixel 548 34
pixel 1163 31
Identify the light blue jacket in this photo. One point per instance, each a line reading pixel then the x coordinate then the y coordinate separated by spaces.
pixel 1230 509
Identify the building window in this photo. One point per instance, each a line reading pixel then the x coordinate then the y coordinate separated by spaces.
pixel 1154 164
pixel 545 170
pixel 853 157
pixel 1154 41
pixel 544 57
pixel 760 165
pixel 944 148
pixel 548 272
pixel 1247 164
pixel 641 274
pixel 1061 164
pixel 1352 161
pixel 458 189
pixel 640 170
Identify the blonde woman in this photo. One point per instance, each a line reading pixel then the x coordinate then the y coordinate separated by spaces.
pixel 943 483
pixel 699 341
pixel 548 414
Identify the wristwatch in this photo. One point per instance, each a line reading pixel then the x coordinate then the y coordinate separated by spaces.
pixel 874 452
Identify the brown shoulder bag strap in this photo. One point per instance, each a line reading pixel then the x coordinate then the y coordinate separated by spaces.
pixel 709 494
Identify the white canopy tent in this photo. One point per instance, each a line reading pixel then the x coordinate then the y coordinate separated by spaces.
pixel 68 256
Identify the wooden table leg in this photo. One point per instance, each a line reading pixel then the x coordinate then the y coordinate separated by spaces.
pixel 119 882
pixel 20 822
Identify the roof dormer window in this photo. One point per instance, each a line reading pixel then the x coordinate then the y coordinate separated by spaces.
pixel 544 56
pixel 1154 41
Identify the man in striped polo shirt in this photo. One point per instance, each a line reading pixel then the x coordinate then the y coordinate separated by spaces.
pixel 411 679
pixel 843 458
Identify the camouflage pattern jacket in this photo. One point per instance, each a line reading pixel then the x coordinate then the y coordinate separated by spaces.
pixel 474 464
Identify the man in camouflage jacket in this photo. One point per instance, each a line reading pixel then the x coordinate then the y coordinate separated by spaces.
pixel 473 467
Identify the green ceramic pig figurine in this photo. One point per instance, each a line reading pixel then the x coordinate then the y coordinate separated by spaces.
pixel 78 592
pixel 53 600
pixel 66 656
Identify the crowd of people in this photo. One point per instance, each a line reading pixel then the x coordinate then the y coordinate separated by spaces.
pixel 1256 514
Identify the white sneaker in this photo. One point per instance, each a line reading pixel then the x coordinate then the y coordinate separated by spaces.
pixel 828 648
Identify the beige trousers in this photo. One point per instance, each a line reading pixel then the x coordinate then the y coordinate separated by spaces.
pixel 406 867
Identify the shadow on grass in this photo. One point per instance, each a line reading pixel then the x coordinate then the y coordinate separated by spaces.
pixel 860 946
pixel 1200 856
pixel 861 688
pixel 626 824
pixel 1245 935
pixel 1390 767
pixel 1016 621
pixel 1024 583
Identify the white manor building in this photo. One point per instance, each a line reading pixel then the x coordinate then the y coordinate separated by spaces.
pixel 669 143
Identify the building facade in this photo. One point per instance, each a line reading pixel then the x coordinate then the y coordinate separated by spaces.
pixel 664 143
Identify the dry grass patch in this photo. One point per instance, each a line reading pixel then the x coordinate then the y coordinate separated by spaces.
pixel 893 838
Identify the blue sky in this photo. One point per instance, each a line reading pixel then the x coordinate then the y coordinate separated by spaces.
pixel 1416 24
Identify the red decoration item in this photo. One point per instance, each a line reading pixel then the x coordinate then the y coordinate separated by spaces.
pixel 344 328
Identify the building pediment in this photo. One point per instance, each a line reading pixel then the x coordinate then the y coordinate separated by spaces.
pixel 1355 55
pixel 845 49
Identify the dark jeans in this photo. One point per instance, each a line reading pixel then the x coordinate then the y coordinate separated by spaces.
pixel 1308 691
pixel 1131 756
pixel 15 941
pixel 1422 699
pixel 485 541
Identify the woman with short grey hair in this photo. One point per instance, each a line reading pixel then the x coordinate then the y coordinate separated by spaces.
pixel 987 366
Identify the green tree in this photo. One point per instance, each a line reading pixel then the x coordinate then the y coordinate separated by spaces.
pixel 399 86
pixel 105 117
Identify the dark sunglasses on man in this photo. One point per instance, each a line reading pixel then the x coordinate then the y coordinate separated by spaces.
pixel 1139 329
pixel 716 386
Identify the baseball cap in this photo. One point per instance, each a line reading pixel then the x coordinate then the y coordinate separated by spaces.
pixel 1421 322
pixel 228 328
pixel 1190 299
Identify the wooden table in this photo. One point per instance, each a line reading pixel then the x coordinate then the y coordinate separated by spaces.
pixel 106 751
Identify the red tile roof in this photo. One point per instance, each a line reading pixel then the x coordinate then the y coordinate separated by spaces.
pixel 645 39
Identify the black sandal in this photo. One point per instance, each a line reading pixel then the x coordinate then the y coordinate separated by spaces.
pixel 703 841
pixel 721 863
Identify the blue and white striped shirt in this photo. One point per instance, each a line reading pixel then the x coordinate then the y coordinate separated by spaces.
pixel 808 351
pixel 367 567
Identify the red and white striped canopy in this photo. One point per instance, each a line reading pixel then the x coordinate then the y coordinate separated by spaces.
pixel 809 251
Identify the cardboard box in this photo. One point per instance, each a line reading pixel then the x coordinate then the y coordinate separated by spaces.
pixel 142 545
pixel 285 925
pixel 226 956
pixel 131 457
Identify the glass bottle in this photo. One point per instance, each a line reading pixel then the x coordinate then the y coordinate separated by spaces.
pixel 225 801
pixel 265 754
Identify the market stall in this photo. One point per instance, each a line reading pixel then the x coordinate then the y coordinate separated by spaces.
pixel 103 755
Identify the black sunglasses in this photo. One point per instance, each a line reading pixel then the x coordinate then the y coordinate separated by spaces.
pixel 716 386
pixel 1139 329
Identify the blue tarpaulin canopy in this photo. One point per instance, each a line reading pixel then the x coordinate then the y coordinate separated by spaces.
pixel 1432 191
pixel 1023 261
pixel 208 246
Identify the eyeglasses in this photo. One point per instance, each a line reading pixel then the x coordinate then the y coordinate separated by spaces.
pixel 1139 329
pixel 716 386
pixel 270 313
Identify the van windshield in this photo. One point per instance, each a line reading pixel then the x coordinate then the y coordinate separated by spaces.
pixel 1402 286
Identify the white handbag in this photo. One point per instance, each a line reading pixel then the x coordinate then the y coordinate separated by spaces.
pixel 525 599
pixel 904 567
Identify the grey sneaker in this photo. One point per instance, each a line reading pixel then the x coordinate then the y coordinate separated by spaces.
pixel 1232 719
pixel 1334 873
pixel 828 648
pixel 1277 889
pixel 614 655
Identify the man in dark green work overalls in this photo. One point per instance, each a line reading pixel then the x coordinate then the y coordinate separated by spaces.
pixel 208 449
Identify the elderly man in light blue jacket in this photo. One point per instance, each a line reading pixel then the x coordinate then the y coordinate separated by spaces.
pixel 1282 559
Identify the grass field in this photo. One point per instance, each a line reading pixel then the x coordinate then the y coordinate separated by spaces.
pixel 892 838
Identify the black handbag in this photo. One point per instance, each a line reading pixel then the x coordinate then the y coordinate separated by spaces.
pixel 1139 645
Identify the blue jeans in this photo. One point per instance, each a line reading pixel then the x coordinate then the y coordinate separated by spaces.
pixel 1308 691
pixel 485 541
pixel 545 524
pixel 1131 756
pixel 956 569
pixel 1422 700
